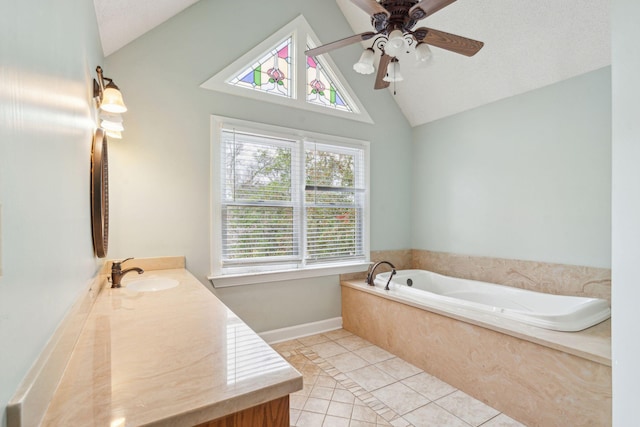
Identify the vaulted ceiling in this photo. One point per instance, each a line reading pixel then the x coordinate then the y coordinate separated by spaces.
pixel 528 45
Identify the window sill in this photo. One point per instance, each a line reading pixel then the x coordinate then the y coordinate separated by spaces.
pixel 228 280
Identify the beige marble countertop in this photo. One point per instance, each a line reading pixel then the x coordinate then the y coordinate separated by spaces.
pixel 173 357
pixel 593 343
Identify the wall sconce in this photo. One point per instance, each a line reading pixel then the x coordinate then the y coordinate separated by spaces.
pixel 110 103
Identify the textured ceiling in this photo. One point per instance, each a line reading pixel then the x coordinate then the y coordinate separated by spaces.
pixel 528 45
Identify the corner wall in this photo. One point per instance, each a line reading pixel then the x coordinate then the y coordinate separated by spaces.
pixel 48 51
pixel 626 213
pixel 528 177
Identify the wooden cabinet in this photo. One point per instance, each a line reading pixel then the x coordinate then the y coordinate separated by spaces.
pixel 271 414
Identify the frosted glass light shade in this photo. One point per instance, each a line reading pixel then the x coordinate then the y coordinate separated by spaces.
pixel 393 72
pixel 396 43
pixel 114 134
pixel 112 100
pixel 423 54
pixel 112 122
pixel 365 64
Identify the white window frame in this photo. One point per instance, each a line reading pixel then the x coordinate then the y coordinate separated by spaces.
pixel 253 275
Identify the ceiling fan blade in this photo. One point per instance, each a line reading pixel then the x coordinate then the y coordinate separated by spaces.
pixel 339 43
pixel 451 42
pixel 382 71
pixel 379 15
pixel 425 8
pixel 372 7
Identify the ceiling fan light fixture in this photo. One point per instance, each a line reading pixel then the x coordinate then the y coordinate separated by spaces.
pixel 365 64
pixel 423 53
pixel 393 72
pixel 394 36
pixel 395 44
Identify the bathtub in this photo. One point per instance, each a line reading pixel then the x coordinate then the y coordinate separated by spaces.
pixel 444 293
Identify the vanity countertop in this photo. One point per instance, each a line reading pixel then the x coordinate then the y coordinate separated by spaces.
pixel 173 357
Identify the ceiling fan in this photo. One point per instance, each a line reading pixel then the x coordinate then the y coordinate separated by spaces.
pixel 393 21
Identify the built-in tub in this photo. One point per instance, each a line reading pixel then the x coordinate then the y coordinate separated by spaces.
pixel 555 312
pixel 538 376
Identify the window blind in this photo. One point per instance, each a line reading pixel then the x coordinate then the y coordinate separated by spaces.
pixel 259 204
pixel 286 203
pixel 334 202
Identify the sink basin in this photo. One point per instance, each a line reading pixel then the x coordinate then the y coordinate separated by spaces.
pixel 152 284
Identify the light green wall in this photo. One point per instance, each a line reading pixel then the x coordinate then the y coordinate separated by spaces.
pixel 626 212
pixel 554 139
pixel 160 170
pixel 48 54
pixel 528 177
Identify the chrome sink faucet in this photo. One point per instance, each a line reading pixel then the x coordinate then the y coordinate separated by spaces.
pixel 117 273
pixel 370 276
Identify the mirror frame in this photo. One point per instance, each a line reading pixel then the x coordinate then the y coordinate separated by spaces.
pixel 100 193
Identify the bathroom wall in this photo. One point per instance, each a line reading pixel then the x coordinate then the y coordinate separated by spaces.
pixel 528 177
pixel 48 51
pixel 626 212
pixel 160 170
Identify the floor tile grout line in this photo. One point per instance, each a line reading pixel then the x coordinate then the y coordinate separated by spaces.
pixel 379 408
pixel 464 421
pixel 363 396
pixel 429 399
pixel 377 402
pixel 375 405
pixel 485 422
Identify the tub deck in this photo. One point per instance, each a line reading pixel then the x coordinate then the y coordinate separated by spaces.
pixel 539 377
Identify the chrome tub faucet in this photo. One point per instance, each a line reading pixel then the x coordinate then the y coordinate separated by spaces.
pixel 117 273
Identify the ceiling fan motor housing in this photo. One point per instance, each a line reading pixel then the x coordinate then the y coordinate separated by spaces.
pixel 399 16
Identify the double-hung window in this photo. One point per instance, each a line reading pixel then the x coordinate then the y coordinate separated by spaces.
pixel 286 203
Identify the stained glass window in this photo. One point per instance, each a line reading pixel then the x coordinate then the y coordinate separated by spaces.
pixel 321 89
pixel 278 66
pixel 271 73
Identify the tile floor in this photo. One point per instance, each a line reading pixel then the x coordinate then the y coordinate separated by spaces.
pixel 352 383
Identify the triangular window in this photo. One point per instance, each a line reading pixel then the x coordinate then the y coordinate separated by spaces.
pixel 277 70
pixel 271 73
pixel 321 86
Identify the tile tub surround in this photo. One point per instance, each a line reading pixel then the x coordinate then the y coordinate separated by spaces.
pixel 348 381
pixel 401 259
pixel 172 357
pixel 545 277
pixel 561 279
pixel 532 383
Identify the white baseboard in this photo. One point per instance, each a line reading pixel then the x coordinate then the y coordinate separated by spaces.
pixel 299 331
